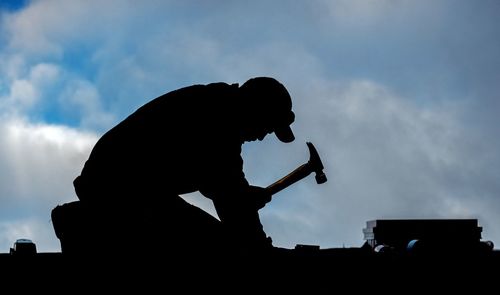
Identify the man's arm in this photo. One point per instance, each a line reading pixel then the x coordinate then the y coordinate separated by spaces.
pixel 239 215
pixel 237 205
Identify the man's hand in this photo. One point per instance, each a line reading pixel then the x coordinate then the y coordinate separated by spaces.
pixel 260 195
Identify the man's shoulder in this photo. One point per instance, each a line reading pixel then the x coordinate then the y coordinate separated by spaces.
pixel 223 85
pixel 220 87
pixel 195 98
pixel 203 88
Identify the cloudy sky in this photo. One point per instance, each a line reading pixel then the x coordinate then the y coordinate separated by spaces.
pixel 399 97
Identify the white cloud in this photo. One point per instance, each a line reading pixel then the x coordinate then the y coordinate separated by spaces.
pixel 83 98
pixel 23 94
pixel 44 73
pixel 356 16
pixel 25 91
pixel 12 67
pixel 40 28
pixel 40 159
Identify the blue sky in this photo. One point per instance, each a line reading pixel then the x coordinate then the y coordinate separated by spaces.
pixel 12 4
pixel 399 97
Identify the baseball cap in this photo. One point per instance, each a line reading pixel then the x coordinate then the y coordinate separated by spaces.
pixel 284 133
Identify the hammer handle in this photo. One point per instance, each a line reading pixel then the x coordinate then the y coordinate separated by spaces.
pixel 294 176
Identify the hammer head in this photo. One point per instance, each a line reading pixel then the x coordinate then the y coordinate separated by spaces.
pixel 315 164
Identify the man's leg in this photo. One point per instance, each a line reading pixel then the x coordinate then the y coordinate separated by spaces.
pixel 184 228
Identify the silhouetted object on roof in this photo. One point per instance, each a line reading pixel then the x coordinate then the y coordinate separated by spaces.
pixel 429 236
pixel 184 141
pixel 23 247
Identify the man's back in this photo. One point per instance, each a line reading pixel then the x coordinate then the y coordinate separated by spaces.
pixel 179 142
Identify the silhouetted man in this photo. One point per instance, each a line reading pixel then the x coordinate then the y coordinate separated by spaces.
pixel 185 141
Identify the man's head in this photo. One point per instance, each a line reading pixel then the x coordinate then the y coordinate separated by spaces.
pixel 269 108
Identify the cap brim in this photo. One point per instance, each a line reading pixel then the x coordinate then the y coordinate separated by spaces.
pixel 285 134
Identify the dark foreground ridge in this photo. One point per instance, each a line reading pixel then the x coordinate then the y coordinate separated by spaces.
pixel 322 270
pixel 398 255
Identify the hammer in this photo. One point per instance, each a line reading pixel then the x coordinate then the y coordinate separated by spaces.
pixel 313 165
